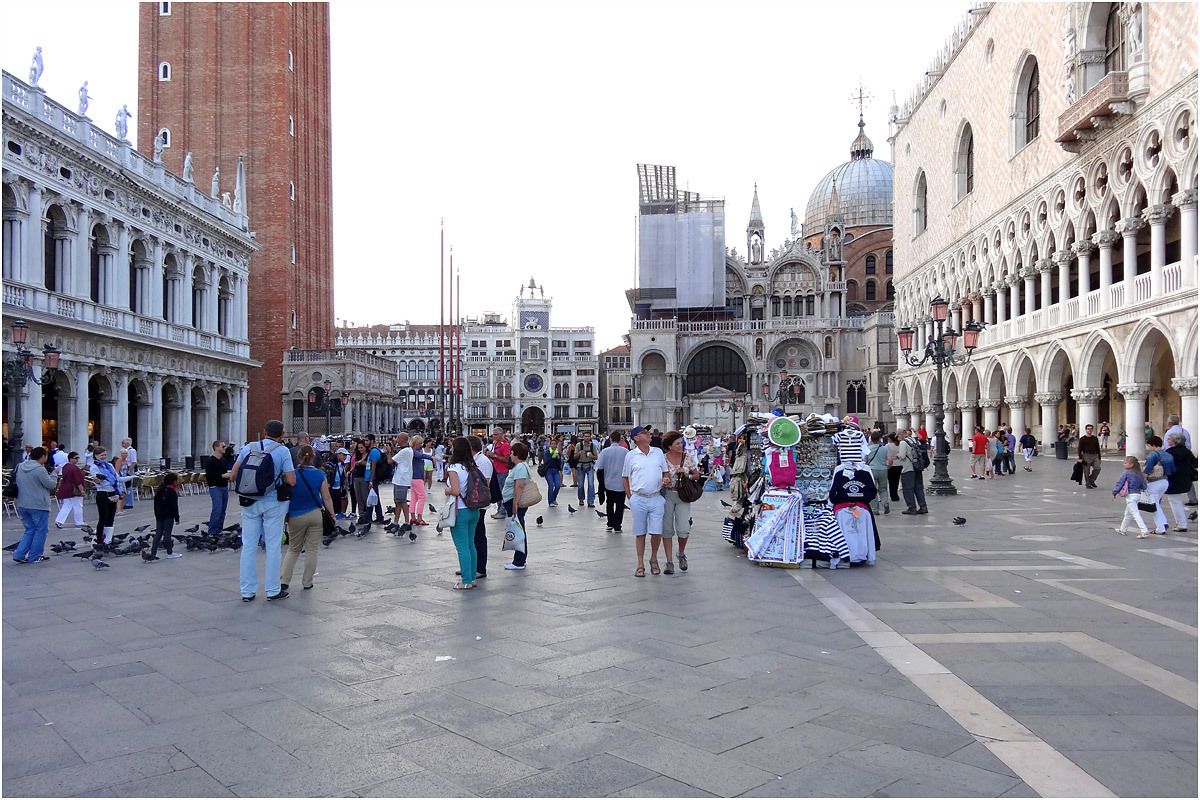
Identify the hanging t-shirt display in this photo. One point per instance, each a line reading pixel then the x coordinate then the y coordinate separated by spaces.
pixel 851 495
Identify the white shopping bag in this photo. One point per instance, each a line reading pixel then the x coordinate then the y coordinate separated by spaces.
pixel 514 535
pixel 372 499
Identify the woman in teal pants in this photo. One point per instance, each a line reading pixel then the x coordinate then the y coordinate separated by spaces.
pixel 460 467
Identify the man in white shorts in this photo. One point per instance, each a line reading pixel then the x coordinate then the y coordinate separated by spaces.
pixel 644 475
pixel 402 479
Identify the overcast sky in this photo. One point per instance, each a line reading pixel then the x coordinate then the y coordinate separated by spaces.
pixel 521 124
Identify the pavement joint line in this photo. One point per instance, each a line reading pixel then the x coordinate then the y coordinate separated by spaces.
pixel 1119 606
pixel 1179 553
pixel 1160 680
pixel 976 597
pixel 1044 769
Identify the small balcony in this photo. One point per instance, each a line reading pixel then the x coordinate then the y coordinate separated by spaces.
pixel 1084 120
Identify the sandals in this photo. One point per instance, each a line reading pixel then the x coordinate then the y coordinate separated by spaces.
pixel 640 572
pixel 654 570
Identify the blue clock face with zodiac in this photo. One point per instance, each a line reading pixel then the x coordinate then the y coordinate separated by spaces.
pixel 535 320
pixel 533 383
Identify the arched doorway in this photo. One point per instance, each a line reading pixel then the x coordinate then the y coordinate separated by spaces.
pixel 716 366
pixel 533 421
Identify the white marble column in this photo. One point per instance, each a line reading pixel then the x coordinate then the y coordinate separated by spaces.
pixel 13 242
pixel 1157 217
pixel 120 273
pixel 1105 241
pixel 81 284
pixel 914 419
pixel 1001 301
pixel 79 426
pixel 213 298
pixel 989 305
pixel 1186 203
pixel 1042 268
pixel 1017 405
pixel 185 420
pixel 121 413
pixel 1087 400
pixel 242 426
pixel 1135 395
pixel 1187 395
pixel 930 422
pixel 991 413
pixel 155 287
pixel 968 418
pixel 1014 293
pixel 1063 260
pixel 154 434
pixel 29 269
pixel 1049 402
pixel 1128 228
pixel 1083 252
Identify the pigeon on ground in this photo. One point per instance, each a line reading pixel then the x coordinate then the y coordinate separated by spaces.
pixel 237 526
pixel 727 505
pixel 601 514
pixel 432 508
pixel 412 534
pixel 87 529
pixel 959 520
pixel 540 520
pixel 98 564
pixel 142 528
pixel 193 529
pixel 351 528
pixel 571 508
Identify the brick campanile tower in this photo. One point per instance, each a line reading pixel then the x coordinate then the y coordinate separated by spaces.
pixel 252 79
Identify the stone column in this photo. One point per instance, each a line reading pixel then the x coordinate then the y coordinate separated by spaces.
pixel 79 426
pixel 1105 240
pixel 1049 402
pixel 914 417
pixel 120 273
pixel 1157 217
pixel 212 298
pixel 121 416
pixel 1187 395
pixel 154 434
pixel 956 317
pixel 1083 250
pixel 185 420
pixel 1088 401
pixel 1001 288
pixel 976 307
pixel 1128 228
pixel 989 305
pixel 1186 203
pixel 1063 259
pixel 1017 405
pixel 1043 267
pixel 183 295
pixel 1029 275
pixel 63 268
pixel 991 413
pixel 242 426
pixel 29 269
pixel 968 418
pixel 1135 395
pixel 901 414
pixel 930 421
pixel 154 284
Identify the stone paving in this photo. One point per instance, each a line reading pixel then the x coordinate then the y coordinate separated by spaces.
pixel 1031 651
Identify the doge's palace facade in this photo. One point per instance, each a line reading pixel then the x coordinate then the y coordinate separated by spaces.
pixel 1046 185
pixel 137 275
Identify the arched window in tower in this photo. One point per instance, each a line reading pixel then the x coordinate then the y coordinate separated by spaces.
pixel 887 262
pixel 851 291
pixel 758 345
pixel 291 125
pixel 871 290
pixel 164 71
pixel 810 305
pixel 1114 40
pixel 920 201
pixel 164 136
pixel 164 9
pixel 1030 93
pixel 558 391
pixel 589 390
pixel 871 265
pixel 775 305
pixel 787 306
pixel 829 347
pixel 291 61
pixel 291 190
pixel 964 166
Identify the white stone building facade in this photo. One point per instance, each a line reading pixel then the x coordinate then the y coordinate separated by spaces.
pixel 136 275
pixel 1046 185
pixel 361 396
pixel 616 389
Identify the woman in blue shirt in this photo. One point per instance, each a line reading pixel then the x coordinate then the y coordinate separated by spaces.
pixel 305 528
pixel 552 460
pixel 1160 465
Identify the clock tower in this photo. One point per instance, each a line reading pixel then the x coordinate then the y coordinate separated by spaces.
pixel 531 328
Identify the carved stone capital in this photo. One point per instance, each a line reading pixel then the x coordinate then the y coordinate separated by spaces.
pixel 1134 391
pixel 1130 226
pixel 1185 199
pixel 1084 248
pixel 928 409
pixel 1062 258
pixel 1158 215
pixel 989 292
pixel 1104 239
pixel 989 402
pixel 1000 286
pixel 1046 265
pixel 1185 386
pixel 1088 396
pixel 899 411
pixel 1016 400
pixel 1048 398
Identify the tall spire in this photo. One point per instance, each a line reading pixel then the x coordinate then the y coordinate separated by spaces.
pixel 756 237
pixel 756 219
pixel 833 212
pixel 861 147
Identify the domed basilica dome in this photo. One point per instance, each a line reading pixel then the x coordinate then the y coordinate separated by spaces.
pixel 864 190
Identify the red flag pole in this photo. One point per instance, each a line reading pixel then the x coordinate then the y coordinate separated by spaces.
pixel 458 335
pixel 442 328
pixel 452 365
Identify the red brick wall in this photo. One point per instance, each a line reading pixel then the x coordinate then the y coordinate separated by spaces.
pixel 231 93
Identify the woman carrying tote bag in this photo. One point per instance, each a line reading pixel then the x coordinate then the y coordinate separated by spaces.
pixel 678 512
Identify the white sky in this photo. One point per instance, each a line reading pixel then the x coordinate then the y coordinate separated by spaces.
pixel 521 124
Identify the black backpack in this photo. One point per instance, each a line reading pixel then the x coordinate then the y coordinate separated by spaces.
pixel 920 454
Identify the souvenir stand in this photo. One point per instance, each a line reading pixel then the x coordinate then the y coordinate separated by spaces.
pixel 786 515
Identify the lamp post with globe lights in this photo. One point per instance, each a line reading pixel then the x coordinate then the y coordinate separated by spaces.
pixel 941 351
pixel 325 405
pixel 18 373
pixel 733 405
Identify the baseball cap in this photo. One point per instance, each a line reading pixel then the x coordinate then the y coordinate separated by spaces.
pixel 341 451
pixel 637 430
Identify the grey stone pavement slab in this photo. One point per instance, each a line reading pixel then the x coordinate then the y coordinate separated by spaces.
pixel 573 678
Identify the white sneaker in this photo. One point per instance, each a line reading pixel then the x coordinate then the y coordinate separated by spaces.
pixel 510 565
pixel 174 555
pixel 1120 531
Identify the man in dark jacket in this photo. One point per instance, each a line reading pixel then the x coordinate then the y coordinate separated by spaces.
pixel 1180 483
pixel 1089 454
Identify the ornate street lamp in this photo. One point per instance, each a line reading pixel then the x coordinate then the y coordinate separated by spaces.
pixel 941 351
pixel 18 373
pixel 733 405
pixel 326 403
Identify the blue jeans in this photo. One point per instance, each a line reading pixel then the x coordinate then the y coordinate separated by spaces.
pixel 265 519
pixel 553 485
pixel 463 534
pixel 33 542
pixel 220 501
pixel 586 475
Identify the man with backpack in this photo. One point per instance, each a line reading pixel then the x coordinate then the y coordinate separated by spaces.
pixel 583 454
pixel 263 477
pixel 914 460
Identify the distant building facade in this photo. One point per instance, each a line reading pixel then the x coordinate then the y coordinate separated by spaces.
pixel 139 279
pixel 1059 208
pixel 616 389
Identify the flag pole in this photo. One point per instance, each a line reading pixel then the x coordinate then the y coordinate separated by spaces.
pixel 452 365
pixel 442 331
pixel 458 393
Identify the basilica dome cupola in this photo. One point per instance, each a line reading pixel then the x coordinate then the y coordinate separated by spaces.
pixel 864 190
